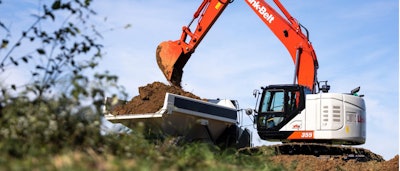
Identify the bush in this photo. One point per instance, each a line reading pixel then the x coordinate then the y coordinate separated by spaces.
pixel 46 126
pixel 59 108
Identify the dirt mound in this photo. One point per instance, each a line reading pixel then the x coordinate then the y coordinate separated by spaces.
pixel 323 162
pixel 392 164
pixel 303 162
pixel 150 99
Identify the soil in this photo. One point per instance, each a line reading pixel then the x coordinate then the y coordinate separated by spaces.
pixel 303 162
pixel 151 99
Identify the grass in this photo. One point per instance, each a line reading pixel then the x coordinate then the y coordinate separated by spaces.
pixel 133 152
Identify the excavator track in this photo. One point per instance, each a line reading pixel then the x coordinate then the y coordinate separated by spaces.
pixel 319 150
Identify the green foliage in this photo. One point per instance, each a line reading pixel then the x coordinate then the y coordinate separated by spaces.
pixel 46 126
pixel 56 47
pixel 58 110
pixel 60 106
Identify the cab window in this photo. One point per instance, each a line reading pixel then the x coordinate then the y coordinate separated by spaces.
pixel 273 101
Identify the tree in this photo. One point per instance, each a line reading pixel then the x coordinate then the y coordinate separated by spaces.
pixel 59 46
pixel 57 50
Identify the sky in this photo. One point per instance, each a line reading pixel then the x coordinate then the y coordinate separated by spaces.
pixel 356 42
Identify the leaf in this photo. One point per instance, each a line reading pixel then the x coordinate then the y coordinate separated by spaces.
pixel 25 59
pixel 87 2
pixel 127 26
pixel 43 34
pixel 13 61
pixel 39 67
pixel 92 64
pixel 3 26
pixel 51 15
pixel 41 51
pixel 46 41
pixel 67 6
pixel 4 43
pixel 56 5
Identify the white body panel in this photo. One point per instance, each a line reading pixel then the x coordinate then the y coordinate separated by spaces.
pixel 332 116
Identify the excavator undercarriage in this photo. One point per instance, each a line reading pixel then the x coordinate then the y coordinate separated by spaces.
pixel 316 149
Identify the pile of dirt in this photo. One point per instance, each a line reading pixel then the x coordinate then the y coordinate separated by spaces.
pixel 308 162
pixel 150 99
pixel 323 162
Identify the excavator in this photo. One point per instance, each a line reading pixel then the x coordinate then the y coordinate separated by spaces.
pixel 301 112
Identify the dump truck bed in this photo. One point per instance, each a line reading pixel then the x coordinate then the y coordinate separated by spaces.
pixel 183 116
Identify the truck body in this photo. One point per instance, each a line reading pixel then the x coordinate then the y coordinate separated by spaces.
pixel 215 121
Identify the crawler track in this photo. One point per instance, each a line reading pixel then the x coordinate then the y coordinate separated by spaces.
pixel 318 150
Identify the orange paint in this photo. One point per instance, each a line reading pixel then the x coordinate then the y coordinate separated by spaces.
pixel 302 135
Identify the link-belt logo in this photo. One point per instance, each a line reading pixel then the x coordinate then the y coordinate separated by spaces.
pixel 262 10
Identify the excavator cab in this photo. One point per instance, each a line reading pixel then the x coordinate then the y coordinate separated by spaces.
pixel 279 104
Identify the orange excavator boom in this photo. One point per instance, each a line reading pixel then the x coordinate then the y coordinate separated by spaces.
pixel 173 55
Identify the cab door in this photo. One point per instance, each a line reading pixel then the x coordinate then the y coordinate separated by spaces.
pixel 278 106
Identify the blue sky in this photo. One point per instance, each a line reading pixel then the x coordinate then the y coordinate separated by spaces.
pixel 356 43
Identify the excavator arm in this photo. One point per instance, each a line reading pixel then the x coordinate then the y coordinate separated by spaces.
pixel 173 55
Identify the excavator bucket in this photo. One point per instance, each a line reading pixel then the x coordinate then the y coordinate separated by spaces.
pixel 171 60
